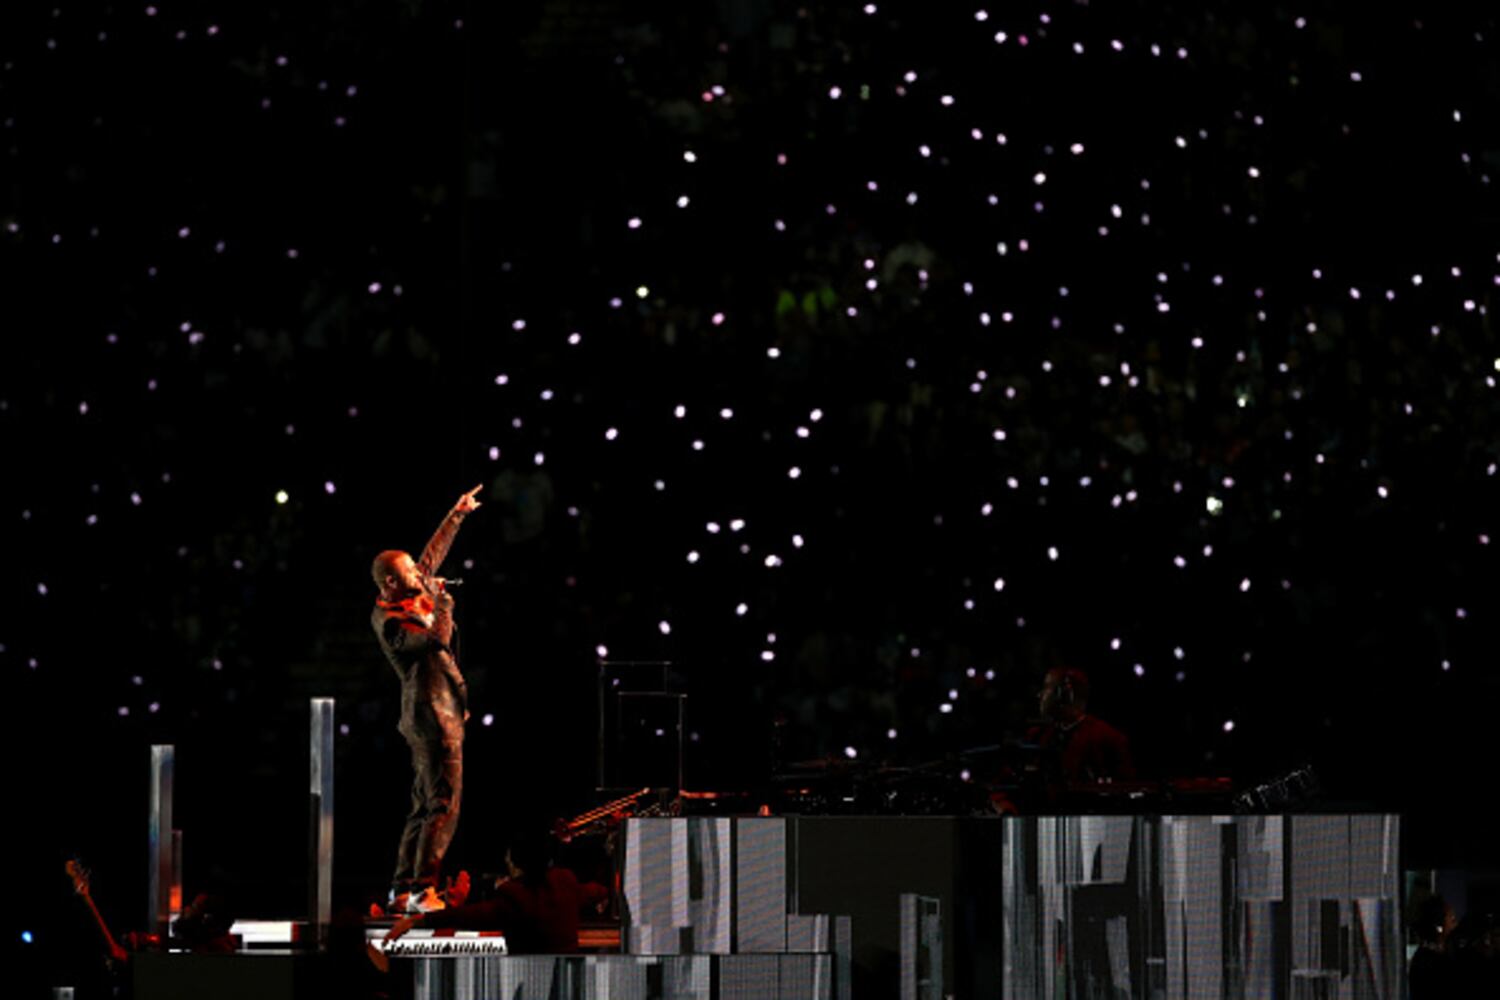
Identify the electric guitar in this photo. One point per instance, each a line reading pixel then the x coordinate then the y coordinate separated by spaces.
pixel 80 877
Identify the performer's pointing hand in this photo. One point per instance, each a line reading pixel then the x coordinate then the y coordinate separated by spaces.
pixel 467 503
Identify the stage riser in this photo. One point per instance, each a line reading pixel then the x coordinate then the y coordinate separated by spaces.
pixel 1239 906
pixel 625 977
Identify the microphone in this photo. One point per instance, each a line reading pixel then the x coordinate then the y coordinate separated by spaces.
pixel 443 583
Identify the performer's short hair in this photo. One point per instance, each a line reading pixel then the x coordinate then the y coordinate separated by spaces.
pixel 531 850
pixel 385 565
pixel 1076 681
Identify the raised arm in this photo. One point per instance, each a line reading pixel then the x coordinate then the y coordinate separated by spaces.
pixel 442 539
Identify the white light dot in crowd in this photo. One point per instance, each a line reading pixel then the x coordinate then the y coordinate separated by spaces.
pixel 664 627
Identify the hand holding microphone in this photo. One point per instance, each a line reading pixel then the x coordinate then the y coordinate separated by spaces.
pixel 437 589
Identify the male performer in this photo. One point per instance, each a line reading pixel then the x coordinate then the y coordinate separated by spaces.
pixel 413 619
pixel 1077 748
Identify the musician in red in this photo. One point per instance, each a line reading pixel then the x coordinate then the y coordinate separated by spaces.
pixel 539 906
pixel 1077 748
pixel 413 619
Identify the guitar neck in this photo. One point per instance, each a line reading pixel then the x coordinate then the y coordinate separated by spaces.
pixel 80 885
pixel 98 919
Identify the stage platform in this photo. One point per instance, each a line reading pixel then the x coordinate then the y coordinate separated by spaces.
pixel 928 907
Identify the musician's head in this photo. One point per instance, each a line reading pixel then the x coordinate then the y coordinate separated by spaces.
pixel 1065 694
pixel 1432 919
pixel 395 572
pixel 530 855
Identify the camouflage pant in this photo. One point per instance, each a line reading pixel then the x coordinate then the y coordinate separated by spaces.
pixel 436 790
